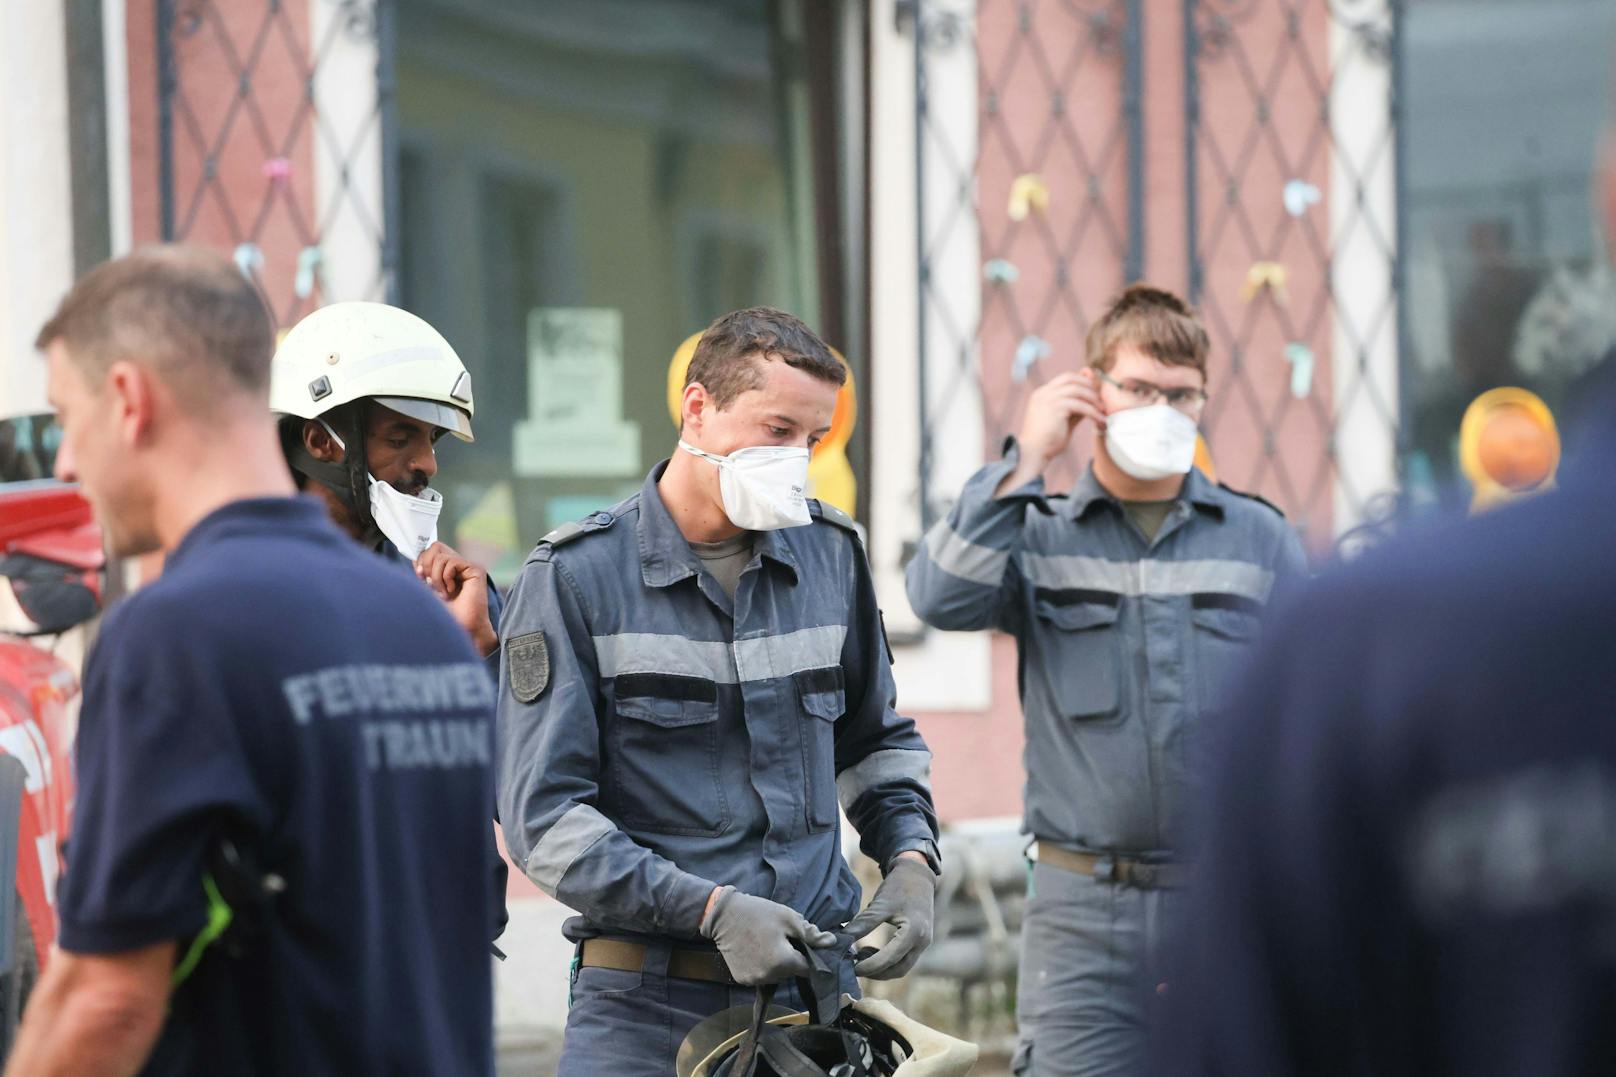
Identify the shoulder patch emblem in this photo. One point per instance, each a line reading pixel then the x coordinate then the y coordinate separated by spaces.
pixel 528 658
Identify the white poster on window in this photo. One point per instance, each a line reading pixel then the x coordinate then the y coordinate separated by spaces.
pixel 575 423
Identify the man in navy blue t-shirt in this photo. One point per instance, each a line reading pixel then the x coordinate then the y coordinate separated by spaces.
pixel 278 861
pixel 1409 857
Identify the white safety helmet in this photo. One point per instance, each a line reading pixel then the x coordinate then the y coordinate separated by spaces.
pixel 889 1043
pixel 354 351
pixel 350 353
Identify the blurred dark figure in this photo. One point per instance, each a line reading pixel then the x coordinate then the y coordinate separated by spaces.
pixel 1408 860
pixel 1483 335
pixel 16 462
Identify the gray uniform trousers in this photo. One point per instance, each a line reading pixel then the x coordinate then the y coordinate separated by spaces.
pixel 1091 963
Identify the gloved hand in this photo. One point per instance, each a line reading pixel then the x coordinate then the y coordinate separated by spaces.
pixel 754 935
pixel 904 899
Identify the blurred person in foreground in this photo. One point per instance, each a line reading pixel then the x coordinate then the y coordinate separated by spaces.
pixel 1408 863
pixel 284 751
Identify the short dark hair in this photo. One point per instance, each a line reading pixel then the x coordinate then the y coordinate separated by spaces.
pixel 727 357
pixel 1155 321
pixel 186 312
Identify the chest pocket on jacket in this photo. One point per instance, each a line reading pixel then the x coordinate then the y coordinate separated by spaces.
pixel 1224 626
pixel 822 698
pixel 1085 652
pixel 662 767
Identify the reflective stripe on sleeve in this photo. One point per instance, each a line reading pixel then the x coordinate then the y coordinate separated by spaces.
pixel 579 828
pixel 878 768
pixel 959 556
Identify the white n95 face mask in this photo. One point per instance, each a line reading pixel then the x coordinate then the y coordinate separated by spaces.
pixel 408 521
pixel 1151 443
pixel 762 485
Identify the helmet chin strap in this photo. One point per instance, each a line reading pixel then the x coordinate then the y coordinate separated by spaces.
pixel 348 478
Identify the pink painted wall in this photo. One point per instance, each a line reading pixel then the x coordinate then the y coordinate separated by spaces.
pixel 1263 439
pixel 1032 56
pixel 244 201
pixel 976 758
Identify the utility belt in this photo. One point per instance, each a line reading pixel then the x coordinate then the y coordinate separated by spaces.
pixel 1114 867
pixel 684 963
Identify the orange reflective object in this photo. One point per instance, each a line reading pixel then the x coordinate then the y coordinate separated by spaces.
pixel 1515 449
pixel 1509 446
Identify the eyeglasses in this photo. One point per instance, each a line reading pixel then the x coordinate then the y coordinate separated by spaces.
pixel 1144 394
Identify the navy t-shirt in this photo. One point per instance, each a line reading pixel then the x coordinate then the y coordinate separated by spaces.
pixel 1408 858
pixel 283 689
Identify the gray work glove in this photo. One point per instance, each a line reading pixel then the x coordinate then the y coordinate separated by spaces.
pixel 755 934
pixel 905 899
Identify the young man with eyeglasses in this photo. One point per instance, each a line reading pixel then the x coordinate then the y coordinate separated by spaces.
pixel 1130 597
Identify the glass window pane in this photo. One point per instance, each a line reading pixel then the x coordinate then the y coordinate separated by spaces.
pixel 28 447
pixel 584 185
pixel 1507 280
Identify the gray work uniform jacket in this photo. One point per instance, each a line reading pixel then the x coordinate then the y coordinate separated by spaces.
pixel 1122 645
pixel 658 739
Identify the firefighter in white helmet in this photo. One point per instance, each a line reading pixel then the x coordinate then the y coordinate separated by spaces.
pixel 364 392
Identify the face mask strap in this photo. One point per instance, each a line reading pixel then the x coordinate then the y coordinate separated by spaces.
pixel 714 458
pixel 711 458
pixel 354 468
pixel 334 436
pixel 334 475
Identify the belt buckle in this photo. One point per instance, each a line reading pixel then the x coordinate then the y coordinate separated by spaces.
pixel 1105 868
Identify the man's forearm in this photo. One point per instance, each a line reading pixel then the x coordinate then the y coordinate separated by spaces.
pixel 84 1040
pixel 76 1026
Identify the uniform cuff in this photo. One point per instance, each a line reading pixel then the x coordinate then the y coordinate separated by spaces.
pixel 924 846
pixel 910 832
pixel 121 937
pixel 989 477
pixel 684 906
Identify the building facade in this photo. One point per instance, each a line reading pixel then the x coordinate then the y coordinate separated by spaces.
pixel 1380 206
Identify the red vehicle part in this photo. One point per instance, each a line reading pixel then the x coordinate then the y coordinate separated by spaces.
pixel 41 525
pixel 37 511
pixel 38 712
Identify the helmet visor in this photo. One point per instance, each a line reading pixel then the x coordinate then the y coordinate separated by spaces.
pixel 450 418
pixel 717 1037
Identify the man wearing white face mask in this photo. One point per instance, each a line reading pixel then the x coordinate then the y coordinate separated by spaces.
pixel 1130 598
pixel 690 682
pixel 365 391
